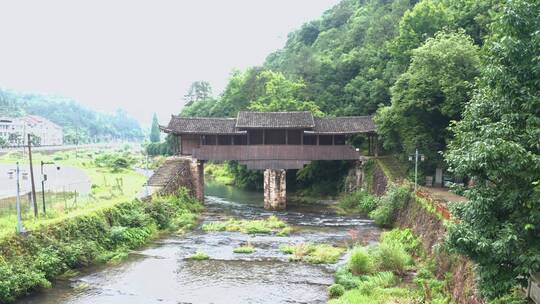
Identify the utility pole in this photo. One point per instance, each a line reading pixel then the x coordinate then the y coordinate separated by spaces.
pixel 43 180
pixel 146 175
pixel 417 157
pixel 32 176
pixel 415 170
pixel 20 228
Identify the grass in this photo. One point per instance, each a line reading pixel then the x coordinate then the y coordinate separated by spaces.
pixel 269 225
pixel 199 256
pixel 108 186
pixel 313 253
pixel 246 249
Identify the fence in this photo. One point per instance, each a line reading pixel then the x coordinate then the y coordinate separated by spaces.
pixel 62 198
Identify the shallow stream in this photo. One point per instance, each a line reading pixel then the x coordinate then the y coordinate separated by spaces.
pixel 161 272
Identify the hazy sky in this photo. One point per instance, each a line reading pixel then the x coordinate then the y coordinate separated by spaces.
pixel 139 55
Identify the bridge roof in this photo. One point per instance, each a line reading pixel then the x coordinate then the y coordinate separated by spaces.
pixel 344 125
pixel 270 120
pixel 274 120
pixel 201 125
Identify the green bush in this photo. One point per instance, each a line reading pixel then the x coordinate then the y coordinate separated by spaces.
pixel 344 277
pixel 391 256
pixel 395 198
pixel 405 238
pixel 360 201
pixel 336 291
pixel 360 262
pixel 515 297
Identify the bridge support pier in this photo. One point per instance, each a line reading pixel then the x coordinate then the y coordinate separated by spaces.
pixel 275 194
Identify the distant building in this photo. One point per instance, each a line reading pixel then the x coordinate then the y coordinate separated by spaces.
pixel 15 131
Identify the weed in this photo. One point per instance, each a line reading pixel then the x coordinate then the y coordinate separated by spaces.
pixel 247 249
pixel 199 256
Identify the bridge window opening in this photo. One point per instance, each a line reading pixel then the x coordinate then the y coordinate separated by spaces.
pixel 339 140
pixel 325 140
pixel 240 140
pixel 294 137
pixel 209 140
pixel 224 140
pixel 275 137
pixel 255 137
pixel 310 140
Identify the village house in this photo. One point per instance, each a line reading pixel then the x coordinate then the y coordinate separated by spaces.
pixel 14 131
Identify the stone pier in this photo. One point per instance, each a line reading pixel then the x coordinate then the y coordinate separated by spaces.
pixel 275 194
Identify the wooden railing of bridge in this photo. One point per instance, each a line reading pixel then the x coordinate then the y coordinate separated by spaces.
pixel 275 152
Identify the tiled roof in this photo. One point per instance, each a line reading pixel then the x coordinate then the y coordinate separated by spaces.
pixel 200 125
pixel 270 120
pixel 344 125
pixel 274 120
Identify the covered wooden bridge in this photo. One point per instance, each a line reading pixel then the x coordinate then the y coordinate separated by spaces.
pixel 270 141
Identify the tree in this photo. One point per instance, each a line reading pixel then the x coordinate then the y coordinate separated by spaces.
pixel 3 142
pixel 282 94
pixel 155 135
pixel 431 93
pixel 497 145
pixel 198 91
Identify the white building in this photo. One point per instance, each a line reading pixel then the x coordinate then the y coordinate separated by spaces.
pixel 15 130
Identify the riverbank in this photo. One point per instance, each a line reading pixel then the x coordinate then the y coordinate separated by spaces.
pixel 106 234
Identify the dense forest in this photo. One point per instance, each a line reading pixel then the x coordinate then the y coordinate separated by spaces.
pixel 456 79
pixel 80 124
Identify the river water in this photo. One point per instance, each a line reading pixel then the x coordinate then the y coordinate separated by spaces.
pixel 161 272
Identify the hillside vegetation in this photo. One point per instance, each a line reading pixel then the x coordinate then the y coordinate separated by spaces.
pixel 80 124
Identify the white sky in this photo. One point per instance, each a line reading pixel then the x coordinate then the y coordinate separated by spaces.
pixel 139 55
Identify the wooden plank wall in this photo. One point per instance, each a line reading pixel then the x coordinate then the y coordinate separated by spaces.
pixel 276 152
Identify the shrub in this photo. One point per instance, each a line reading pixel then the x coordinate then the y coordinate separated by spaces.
pixel 405 238
pixel 395 198
pixel 383 279
pixel 514 297
pixel 360 262
pixel 336 291
pixel 390 256
pixel 360 201
pixel 344 277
